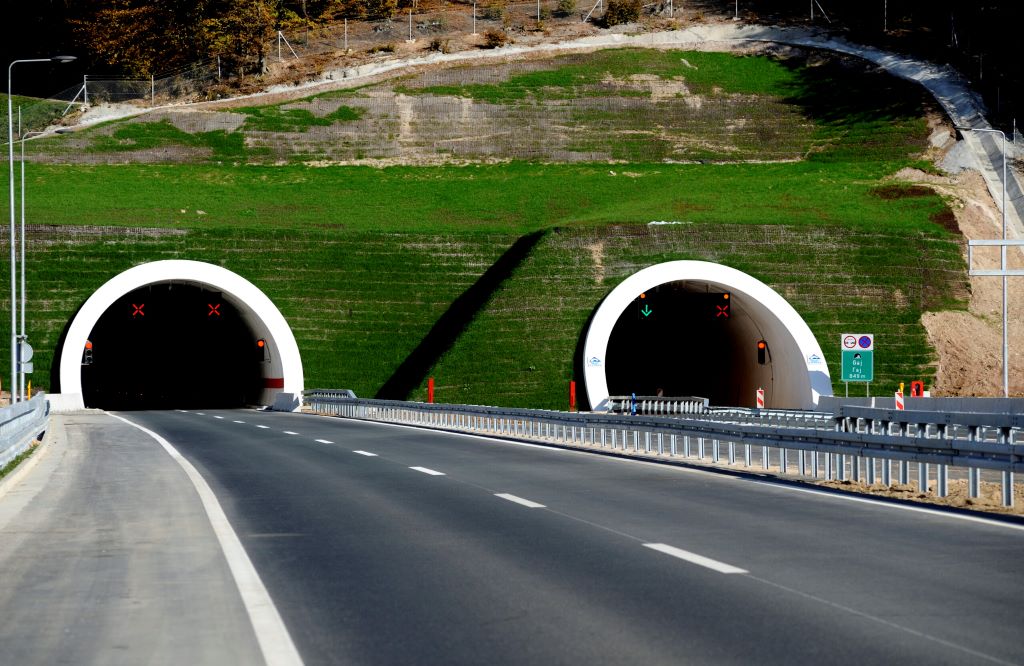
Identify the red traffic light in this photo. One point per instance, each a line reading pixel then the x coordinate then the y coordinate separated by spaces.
pixel 762 352
pixel 88 344
pixel 261 343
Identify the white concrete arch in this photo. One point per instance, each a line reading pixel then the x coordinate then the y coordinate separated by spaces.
pixel 801 375
pixel 282 375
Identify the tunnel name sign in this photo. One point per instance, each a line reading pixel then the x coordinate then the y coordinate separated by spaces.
pixel 858 350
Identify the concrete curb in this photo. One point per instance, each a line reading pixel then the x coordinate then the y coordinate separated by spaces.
pixel 26 466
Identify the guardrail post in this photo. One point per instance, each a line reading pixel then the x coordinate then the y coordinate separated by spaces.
pixel 686 446
pixel 732 453
pixel 814 463
pixel 700 448
pixel 783 462
pixel 828 467
pixel 942 481
pixel 647 441
pixel 714 450
pixel 765 458
pixel 661 443
pixel 922 477
pixel 870 469
pixel 672 444
pixel 855 468
pixel 802 462
pixel 904 472
pixel 1007 488
pixel 973 482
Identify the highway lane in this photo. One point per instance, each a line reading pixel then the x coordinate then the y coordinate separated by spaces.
pixel 374 559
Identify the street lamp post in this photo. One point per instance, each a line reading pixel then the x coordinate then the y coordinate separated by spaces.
pixel 1003 269
pixel 23 336
pixel 10 162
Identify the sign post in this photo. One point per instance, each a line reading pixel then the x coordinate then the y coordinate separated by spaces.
pixel 858 359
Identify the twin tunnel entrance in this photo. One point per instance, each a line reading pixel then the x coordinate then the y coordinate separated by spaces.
pixel 190 334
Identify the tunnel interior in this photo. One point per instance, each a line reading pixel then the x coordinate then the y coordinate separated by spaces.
pixel 171 345
pixel 687 338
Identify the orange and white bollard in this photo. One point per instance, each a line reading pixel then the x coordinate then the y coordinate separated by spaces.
pixel 760 398
pixel 899 400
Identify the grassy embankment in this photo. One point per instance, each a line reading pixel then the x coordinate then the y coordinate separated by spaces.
pixel 364 261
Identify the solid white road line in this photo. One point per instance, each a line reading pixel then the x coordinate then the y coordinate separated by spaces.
pixel 289 432
pixel 426 470
pixel 273 637
pixel 323 441
pixel 366 453
pixel 264 427
pixel 694 558
pixel 519 500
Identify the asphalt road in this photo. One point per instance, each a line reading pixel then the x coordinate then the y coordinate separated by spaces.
pixel 107 557
pixel 386 545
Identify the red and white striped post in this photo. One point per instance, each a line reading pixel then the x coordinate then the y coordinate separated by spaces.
pixel 760 398
pixel 899 400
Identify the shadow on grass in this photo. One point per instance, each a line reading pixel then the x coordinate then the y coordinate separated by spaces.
pixel 413 371
pixel 862 112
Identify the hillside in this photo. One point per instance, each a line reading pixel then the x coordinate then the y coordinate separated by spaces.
pixel 365 214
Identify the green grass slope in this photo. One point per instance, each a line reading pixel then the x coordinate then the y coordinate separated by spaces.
pixel 774 167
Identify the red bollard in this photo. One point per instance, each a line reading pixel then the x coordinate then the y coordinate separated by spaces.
pixel 430 390
pixel 916 389
pixel 572 396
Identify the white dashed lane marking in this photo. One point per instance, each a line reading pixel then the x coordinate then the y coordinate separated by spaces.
pixel 263 427
pixel 218 417
pixel 366 453
pixel 694 558
pixel 519 500
pixel 289 432
pixel 238 421
pixel 324 441
pixel 427 470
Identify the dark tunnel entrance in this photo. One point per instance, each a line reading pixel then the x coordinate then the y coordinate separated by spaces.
pixel 683 339
pixel 171 345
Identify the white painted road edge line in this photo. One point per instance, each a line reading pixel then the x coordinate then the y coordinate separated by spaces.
pixel 275 642
pixel 429 471
pixel 366 453
pixel 323 441
pixel 694 558
pixel 519 500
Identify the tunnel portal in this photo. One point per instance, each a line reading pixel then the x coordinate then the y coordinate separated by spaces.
pixel 682 339
pixel 171 346
pixel 696 328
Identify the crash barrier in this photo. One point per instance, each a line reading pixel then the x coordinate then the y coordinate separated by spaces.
pixel 20 424
pixel 856 443
pixel 649 404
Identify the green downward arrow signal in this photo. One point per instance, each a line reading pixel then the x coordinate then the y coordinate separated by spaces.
pixel 646 311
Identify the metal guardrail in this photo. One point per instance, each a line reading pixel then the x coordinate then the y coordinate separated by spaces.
pixel 650 404
pixel 20 423
pixel 856 443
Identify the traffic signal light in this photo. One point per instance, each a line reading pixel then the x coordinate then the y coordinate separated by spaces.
pixel 87 354
pixel 762 352
pixel 262 350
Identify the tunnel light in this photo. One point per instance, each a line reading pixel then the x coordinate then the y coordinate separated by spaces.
pixel 762 352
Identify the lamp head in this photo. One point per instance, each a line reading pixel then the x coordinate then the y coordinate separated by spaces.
pixel 63 58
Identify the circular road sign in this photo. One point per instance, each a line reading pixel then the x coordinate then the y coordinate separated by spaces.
pixel 864 342
pixel 849 341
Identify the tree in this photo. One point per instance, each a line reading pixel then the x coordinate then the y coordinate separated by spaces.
pixel 240 31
